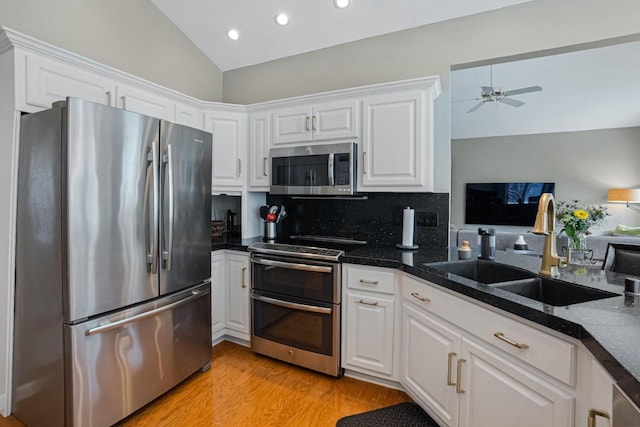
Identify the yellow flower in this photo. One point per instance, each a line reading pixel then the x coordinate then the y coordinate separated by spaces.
pixel 581 214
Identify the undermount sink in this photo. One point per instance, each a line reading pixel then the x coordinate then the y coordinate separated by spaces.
pixel 554 292
pixel 522 282
pixel 483 271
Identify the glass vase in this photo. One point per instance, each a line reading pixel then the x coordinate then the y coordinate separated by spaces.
pixel 578 242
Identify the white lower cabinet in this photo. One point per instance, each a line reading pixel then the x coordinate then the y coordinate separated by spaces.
pixel 498 392
pixel 462 380
pixel 238 297
pixel 430 347
pixel 230 299
pixel 369 340
pixel 600 401
pixel 218 295
pixel 370 321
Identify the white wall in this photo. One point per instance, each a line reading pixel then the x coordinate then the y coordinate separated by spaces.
pixel 130 35
pixel 584 165
pixel 433 49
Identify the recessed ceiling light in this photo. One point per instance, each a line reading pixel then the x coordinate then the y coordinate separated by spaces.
pixel 233 34
pixel 282 19
pixel 341 4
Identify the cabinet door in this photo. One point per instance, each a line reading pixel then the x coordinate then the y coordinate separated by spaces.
pixel 601 397
pixel 335 120
pixel 291 125
pixel 430 348
pixel 368 335
pixel 395 146
pixel 144 102
pixel 218 294
pixel 258 150
pixel 49 81
pixel 189 116
pixel 501 393
pixel 238 293
pixel 229 137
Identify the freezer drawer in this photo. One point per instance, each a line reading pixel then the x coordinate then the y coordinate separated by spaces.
pixel 118 363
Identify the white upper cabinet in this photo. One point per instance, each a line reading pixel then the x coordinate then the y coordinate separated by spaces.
pixel 258 150
pixel 47 81
pixel 397 142
pixel 145 102
pixel 189 116
pixel 229 130
pixel 316 122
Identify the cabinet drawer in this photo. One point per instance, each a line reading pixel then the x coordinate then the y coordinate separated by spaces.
pixel 370 279
pixel 543 351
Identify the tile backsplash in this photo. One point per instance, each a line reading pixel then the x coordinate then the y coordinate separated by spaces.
pixel 378 219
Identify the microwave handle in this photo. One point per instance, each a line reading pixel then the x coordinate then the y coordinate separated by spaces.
pixel 332 181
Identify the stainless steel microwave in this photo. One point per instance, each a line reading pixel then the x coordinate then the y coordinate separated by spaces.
pixel 318 169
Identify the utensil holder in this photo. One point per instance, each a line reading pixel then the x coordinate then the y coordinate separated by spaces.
pixel 270 231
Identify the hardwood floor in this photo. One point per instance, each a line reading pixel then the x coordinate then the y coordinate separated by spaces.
pixel 245 389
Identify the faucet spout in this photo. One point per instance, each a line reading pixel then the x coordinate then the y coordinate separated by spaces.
pixel 545 225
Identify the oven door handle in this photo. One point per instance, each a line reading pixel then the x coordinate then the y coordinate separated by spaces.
pixel 293 266
pixel 292 305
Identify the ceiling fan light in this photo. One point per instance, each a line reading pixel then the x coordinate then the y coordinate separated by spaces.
pixel 341 4
pixel 233 34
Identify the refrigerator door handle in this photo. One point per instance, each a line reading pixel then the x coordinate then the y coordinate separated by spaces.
pixel 167 254
pixel 152 257
pixel 137 317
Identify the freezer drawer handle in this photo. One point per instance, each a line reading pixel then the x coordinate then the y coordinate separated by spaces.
pixel 292 265
pixel 292 305
pixel 146 314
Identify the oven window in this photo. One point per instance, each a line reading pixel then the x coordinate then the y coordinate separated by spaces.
pixel 308 284
pixel 295 327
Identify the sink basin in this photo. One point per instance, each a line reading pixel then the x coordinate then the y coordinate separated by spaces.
pixel 483 271
pixel 522 282
pixel 554 292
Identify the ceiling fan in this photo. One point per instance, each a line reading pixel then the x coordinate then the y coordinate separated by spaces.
pixel 494 94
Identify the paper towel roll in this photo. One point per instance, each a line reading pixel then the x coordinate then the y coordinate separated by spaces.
pixel 407 227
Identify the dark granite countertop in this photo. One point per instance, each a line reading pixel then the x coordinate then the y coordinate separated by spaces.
pixel 609 328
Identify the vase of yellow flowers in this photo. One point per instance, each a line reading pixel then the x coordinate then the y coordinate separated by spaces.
pixel 576 221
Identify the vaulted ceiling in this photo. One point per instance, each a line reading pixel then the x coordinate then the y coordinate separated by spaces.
pixel 313 24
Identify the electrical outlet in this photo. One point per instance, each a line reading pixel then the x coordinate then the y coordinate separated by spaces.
pixel 426 219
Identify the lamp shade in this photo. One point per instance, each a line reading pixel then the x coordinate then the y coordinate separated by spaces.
pixel 624 195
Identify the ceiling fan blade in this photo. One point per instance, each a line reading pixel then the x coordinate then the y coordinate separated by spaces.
pixel 475 107
pixel 523 90
pixel 487 89
pixel 512 102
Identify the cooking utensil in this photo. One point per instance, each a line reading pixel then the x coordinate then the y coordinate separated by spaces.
pixel 273 209
pixel 282 214
pixel 264 210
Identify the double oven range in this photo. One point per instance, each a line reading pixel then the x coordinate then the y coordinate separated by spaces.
pixel 295 305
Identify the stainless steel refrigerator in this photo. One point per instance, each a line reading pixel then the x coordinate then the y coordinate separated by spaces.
pixel 113 264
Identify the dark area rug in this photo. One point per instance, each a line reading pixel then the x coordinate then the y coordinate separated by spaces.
pixel 401 415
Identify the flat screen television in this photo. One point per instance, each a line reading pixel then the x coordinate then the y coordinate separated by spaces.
pixel 504 203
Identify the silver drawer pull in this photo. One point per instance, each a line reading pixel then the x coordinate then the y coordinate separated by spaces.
pixel 369 282
pixel 501 337
pixel 367 303
pixel 421 298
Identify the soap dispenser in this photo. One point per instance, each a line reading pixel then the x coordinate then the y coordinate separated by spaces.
pixel 486 243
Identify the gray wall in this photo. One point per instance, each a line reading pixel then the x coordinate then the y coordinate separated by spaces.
pixel 130 35
pixel 432 49
pixel 584 165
